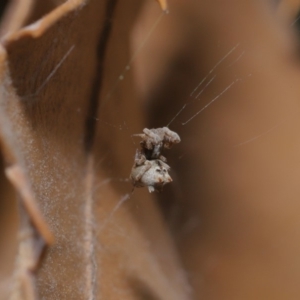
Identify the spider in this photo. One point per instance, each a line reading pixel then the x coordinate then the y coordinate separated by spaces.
pixel 150 168
pixel 154 140
pixel 151 173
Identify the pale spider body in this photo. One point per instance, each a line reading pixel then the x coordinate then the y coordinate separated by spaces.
pixel 151 173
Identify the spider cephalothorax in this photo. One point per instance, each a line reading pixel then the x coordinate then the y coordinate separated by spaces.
pixel 154 140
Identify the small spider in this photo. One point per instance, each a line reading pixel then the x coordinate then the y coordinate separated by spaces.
pixel 151 173
pixel 154 140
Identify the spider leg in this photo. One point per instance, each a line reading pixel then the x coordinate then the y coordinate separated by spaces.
pixel 150 133
pixel 151 188
pixel 140 158
pixel 170 137
pixel 153 136
pixel 147 141
pixel 143 136
pixel 163 164
pixel 162 158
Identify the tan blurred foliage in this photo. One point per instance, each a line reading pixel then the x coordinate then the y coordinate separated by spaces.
pixel 228 227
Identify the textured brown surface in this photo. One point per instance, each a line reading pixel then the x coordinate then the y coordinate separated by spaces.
pixel 226 228
pixel 51 132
